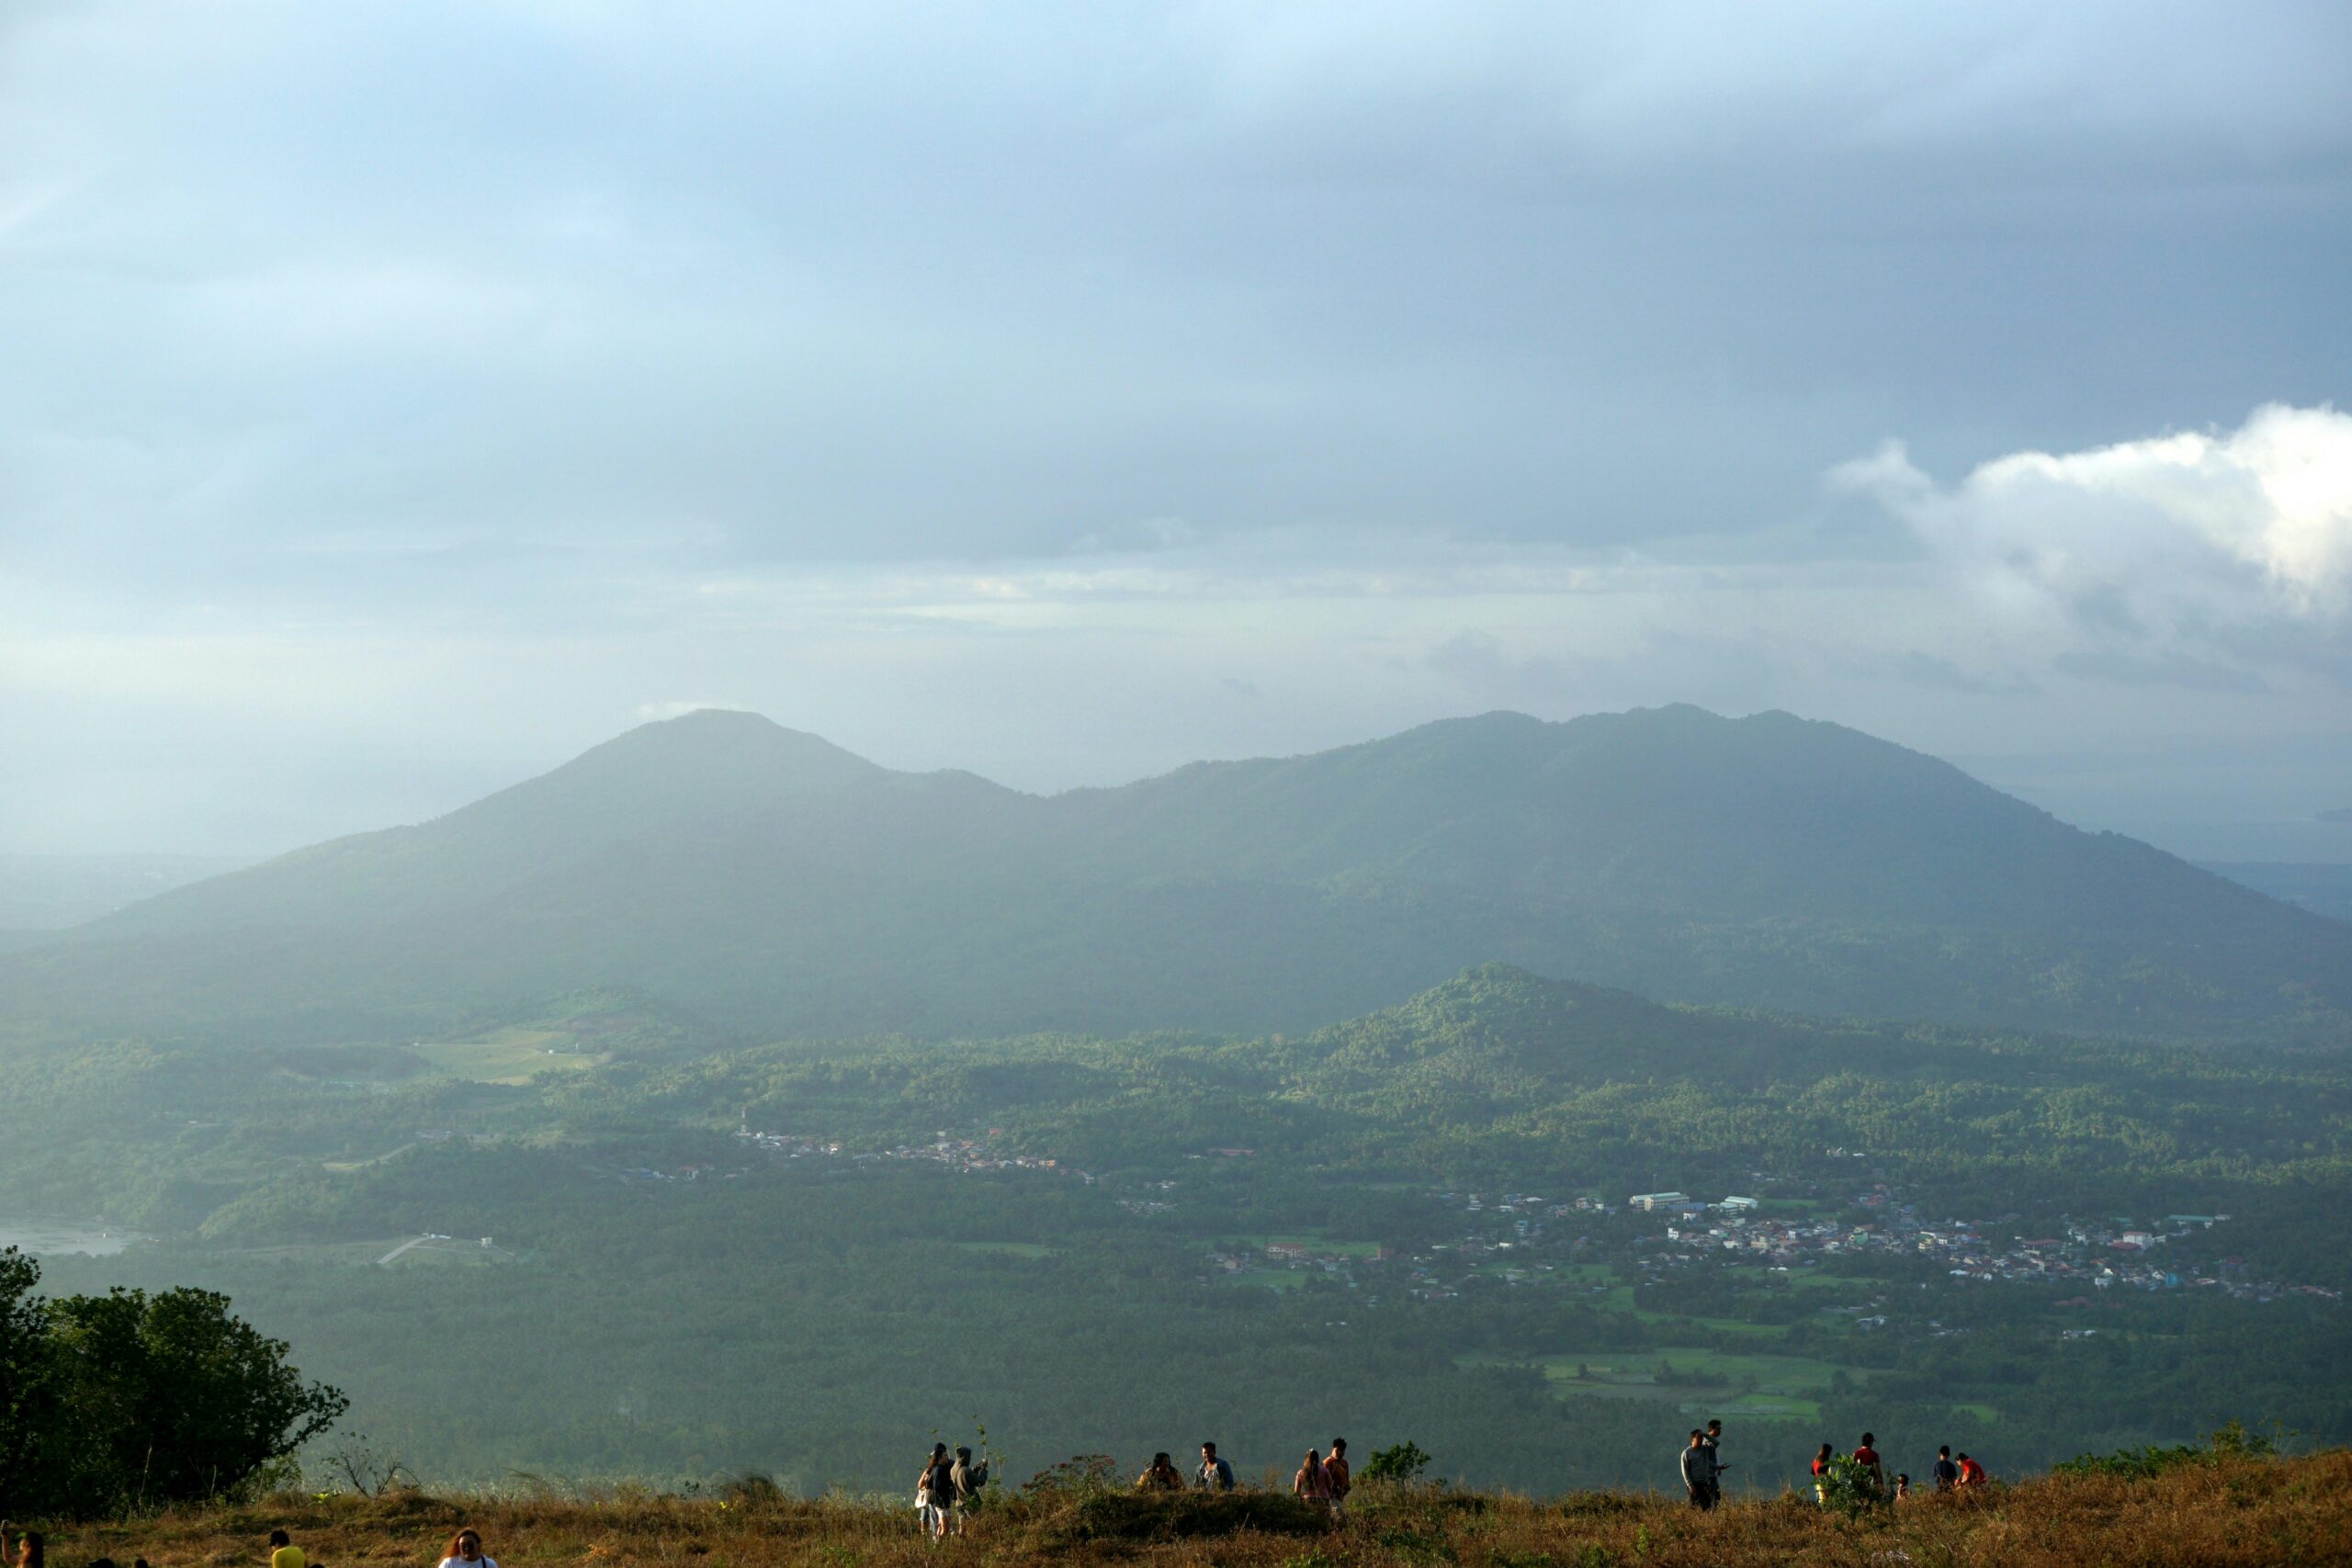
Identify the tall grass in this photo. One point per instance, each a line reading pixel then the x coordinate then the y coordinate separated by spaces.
pixel 2230 1511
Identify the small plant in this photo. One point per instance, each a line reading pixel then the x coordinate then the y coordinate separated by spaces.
pixel 357 1461
pixel 1848 1487
pixel 1081 1476
pixel 1404 1461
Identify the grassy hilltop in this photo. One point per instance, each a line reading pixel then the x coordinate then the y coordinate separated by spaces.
pixel 2228 1510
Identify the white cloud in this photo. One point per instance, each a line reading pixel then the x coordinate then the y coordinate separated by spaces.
pixel 2180 538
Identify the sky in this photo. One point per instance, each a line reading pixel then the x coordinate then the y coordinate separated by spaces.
pixel 398 399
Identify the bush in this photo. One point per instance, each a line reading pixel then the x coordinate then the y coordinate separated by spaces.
pixel 2233 1441
pixel 1401 1462
pixel 1057 1518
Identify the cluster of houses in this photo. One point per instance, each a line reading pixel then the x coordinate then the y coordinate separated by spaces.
pixel 957 1153
pixel 2099 1256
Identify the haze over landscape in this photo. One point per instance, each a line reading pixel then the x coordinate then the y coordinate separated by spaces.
pixel 1505 725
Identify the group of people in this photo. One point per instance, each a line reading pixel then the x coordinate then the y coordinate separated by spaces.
pixel 946 1485
pixel 1702 1469
pixel 32 1552
pixel 1950 1473
pixel 1322 1479
pixel 949 1482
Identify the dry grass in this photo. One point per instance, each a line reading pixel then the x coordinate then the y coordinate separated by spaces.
pixel 2235 1512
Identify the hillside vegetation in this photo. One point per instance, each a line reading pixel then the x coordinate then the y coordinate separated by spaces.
pixel 1415 1221
pixel 781 885
pixel 2230 1512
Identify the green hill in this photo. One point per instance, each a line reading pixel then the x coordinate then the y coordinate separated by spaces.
pixel 773 882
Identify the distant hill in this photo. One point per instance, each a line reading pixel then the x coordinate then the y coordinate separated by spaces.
pixel 2322 888
pixel 42 893
pixel 773 881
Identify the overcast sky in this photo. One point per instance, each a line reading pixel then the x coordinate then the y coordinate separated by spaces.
pixel 398 399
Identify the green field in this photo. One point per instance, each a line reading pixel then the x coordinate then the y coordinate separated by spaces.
pixel 512 1056
pixel 1314 1241
pixel 1008 1248
pixel 1759 1385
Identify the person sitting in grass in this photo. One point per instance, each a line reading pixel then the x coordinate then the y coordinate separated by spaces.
pixel 1216 1474
pixel 1163 1476
pixel 283 1552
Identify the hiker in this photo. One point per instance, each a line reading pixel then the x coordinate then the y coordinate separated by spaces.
pixel 1163 1476
pixel 1821 1475
pixel 1715 1454
pixel 1971 1474
pixel 1309 1486
pixel 1337 1478
pixel 1901 1486
pixel 1947 1473
pixel 968 1478
pixel 465 1551
pixel 1699 1471
pixel 283 1552
pixel 1866 1456
pixel 1216 1474
pixel 934 1493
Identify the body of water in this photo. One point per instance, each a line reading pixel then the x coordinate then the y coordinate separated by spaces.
pixel 64 1235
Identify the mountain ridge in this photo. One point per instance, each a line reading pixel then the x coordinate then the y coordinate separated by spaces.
pixel 775 880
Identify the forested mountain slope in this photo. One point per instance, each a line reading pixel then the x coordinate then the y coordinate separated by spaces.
pixel 777 883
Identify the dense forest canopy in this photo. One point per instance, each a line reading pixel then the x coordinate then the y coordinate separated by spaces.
pixel 803 1256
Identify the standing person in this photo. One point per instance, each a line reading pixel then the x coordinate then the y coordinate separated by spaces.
pixel 1866 1456
pixel 1216 1474
pixel 1821 1475
pixel 1699 1471
pixel 1163 1476
pixel 935 1492
pixel 32 1550
pixel 968 1479
pixel 465 1551
pixel 1340 1482
pixel 1309 1486
pixel 1715 1454
pixel 1947 1473
pixel 1970 1473
pixel 283 1552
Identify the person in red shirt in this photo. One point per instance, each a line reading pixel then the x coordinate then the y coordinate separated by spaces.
pixel 1866 1456
pixel 1821 1474
pixel 1970 1473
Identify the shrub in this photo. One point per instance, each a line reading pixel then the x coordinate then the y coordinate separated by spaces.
pixel 2233 1441
pixel 1402 1462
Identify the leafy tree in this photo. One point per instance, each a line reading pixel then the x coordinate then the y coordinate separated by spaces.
pixel 129 1399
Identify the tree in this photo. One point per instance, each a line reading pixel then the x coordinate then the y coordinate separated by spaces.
pixel 168 1398
pixel 25 1384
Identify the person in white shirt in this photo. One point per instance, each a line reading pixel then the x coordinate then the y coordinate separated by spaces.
pixel 465 1551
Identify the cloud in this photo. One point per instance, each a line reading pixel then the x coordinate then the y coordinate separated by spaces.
pixel 680 707
pixel 2189 559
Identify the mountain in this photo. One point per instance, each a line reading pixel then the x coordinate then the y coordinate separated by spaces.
pixel 773 881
